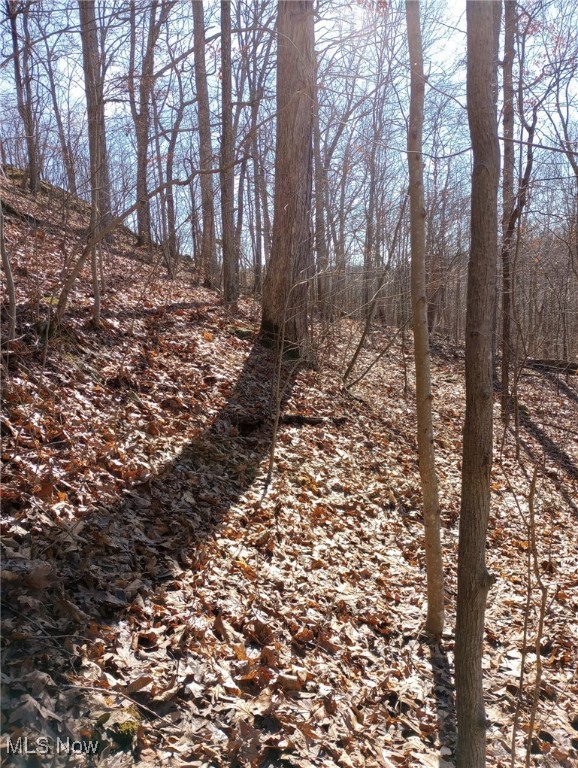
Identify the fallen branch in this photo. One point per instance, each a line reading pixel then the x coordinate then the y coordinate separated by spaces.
pixel 552 365
pixel 300 419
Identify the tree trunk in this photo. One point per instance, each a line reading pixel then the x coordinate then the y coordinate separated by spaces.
pixel 369 263
pixel 425 440
pixel 208 241
pixel 261 182
pixel 160 179
pixel 510 18
pixel 474 581
pixel 240 209
pixel 22 77
pixel 285 290
pixel 173 241
pixel 323 279
pixel 67 157
pixel 94 107
pixel 101 215
pixel 230 257
pixel 141 111
pixel 10 289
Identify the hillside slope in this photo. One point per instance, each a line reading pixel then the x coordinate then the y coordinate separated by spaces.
pixel 162 602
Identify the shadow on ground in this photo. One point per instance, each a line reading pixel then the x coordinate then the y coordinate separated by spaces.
pixel 128 554
pixel 445 701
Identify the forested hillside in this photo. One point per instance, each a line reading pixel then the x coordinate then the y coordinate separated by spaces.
pixel 289 367
pixel 165 599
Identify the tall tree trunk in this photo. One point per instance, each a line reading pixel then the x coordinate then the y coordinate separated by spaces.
pixel 230 257
pixel 258 253
pixel 208 242
pixel 163 208
pixel 425 439
pixel 261 182
pixel 95 112
pixel 369 262
pixel 474 581
pixel 258 256
pixel 22 77
pixel 67 157
pixel 240 208
pixel 510 18
pixel 141 110
pixel 9 277
pixel 285 291
pixel 323 279
pixel 101 215
pixel 173 242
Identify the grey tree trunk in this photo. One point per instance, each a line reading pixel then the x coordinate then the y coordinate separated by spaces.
pixel 141 107
pixel 230 256
pixel 101 215
pixel 95 112
pixel 474 581
pixel 208 241
pixel 425 438
pixel 285 290
pixel 323 279
pixel 22 77
pixel 67 156
pixel 173 242
pixel 510 17
pixel 9 277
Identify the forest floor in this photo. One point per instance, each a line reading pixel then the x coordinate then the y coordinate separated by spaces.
pixel 163 604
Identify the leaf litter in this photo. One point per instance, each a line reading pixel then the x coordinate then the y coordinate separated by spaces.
pixel 158 602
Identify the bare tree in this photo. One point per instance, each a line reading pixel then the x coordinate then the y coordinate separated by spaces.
pixel 94 87
pixel 510 18
pixel 9 277
pixel 230 254
pixel 208 245
pixel 22 77
pixel 474 580
pixel 48 61
pixel 425 440
pixel 140 106
pixel 285 289
pixel 97 145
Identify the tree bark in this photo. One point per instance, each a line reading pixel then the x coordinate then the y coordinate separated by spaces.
pixel 101 215
pixel 510 18
pixel 67 156
pixel 95 112
pixel 10 289
pixel 425 438
pixel 141 110
pixel 173 241
pixel 230 257
pixel 323 279
pixel 208 240
pixel 22 77
pixel 285 291
pixel 474 581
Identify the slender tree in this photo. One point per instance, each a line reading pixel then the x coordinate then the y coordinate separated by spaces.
pixel 93 84
pixel 140 105
pixel 208 243
pixel 510 19
pixel 285 289
pixel 425 440
pixel 9 277
pixel 94 89
pixel 230 254
pixel 474 580
pixel 47 61
pixel 23 77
